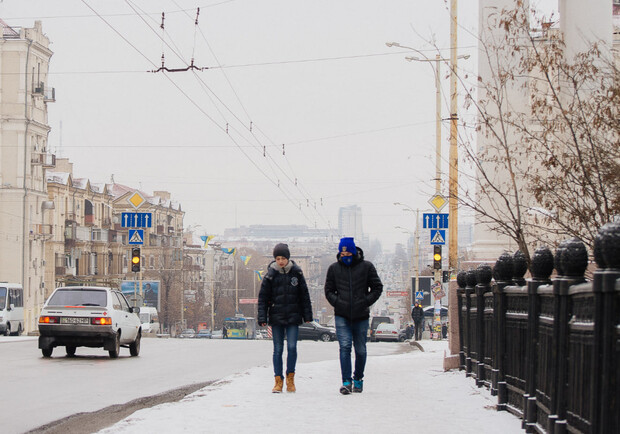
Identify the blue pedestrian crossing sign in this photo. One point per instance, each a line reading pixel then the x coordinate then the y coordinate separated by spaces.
pixel 435 221
pixel 136 236
pixel 438 237
pixel 137 220
pixel 419 295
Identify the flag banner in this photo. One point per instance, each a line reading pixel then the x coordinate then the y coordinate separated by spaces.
pixel 206 239
pixel 259 274
pixel 245 259
pixel 229 251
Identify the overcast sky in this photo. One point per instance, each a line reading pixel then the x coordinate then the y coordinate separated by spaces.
pixel 357 121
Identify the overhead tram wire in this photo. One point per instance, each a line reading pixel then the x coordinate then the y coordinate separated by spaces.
pixel 200 109
pixel 176 50
pixel 292 179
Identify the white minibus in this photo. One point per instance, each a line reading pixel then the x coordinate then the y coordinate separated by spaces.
pixel 11 309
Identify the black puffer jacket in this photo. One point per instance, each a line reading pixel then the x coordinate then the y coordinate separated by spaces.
pixel 353 289
pixel 283 298
pixel 417 313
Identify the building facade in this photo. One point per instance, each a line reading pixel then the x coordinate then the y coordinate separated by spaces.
pixel 24 158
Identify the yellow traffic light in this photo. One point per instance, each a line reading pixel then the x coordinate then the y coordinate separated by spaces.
pixel 437 257
pixel 135 259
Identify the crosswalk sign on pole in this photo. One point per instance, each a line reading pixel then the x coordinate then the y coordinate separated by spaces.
pixel 136 236
pixel 438 237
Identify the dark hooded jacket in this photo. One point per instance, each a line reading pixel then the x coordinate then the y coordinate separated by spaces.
pixel 417 313
pixel 351 290
pixel 283 298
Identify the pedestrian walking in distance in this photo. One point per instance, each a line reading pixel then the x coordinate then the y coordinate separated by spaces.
pixel 417 314
pixel 284 303
pixel 352 285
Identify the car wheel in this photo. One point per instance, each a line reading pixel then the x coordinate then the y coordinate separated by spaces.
pixel 70 350
pixel 19 330
pixel 7 331
pixel 117 347
pixel 134 347
pixel 47 352
pixel 325 337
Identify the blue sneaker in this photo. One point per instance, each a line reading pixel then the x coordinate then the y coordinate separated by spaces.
pixel 346 388
pixel 358 386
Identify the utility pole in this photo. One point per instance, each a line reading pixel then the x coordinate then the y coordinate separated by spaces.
pixel 454 158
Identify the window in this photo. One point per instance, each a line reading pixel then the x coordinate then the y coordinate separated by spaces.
pixel 124 304
pixel 79 297
pixel 151 262
pixel 116 301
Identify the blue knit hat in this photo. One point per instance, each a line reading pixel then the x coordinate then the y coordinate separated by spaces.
pixel 347 244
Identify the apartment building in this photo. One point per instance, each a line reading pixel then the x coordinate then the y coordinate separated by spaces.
pixel 24 158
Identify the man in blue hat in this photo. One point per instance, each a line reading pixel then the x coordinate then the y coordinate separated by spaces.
pixel 352 285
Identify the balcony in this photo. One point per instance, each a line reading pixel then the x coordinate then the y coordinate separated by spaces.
pixel 106 222
pixel 89 220
pixel 41 231
pixel 48 93
pixel 43 159
pixel 71 217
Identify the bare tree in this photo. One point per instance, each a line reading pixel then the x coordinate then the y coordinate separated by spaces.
pixel 547 162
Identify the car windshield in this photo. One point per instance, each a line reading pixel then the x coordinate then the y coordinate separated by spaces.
pixel 79 297
pixel 2 298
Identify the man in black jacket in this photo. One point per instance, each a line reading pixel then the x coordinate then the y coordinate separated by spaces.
pixel 352 285
pixel 417 314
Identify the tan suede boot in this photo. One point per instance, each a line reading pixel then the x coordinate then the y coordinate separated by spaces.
pixel 279 383
pixel 290 382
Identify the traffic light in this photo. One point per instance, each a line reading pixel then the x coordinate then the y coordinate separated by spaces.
pixel 135 259
pixel 437 257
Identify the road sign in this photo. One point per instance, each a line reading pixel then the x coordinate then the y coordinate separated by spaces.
pixel 136 236
pixel 435 221
pixel 438 237
pixel 137 220
pixel 136 200
pixel 419 295
pixel 438 201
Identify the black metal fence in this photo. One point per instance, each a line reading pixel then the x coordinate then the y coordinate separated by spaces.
pixel 548 348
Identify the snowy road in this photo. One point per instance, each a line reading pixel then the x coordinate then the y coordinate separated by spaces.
pixel 37 391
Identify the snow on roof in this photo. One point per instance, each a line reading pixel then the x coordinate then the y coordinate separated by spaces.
pixel 57 177
pixel 98 187
pixel 80 183
pixel 8 31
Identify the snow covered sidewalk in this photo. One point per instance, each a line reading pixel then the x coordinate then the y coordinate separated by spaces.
pixel 403 393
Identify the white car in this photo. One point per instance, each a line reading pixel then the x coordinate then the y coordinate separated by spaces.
pixel 89 316
pixel 387 332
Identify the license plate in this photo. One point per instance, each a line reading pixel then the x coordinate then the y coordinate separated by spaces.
pixel 74 320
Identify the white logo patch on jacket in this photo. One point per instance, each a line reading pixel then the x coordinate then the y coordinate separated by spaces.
pixel 294 281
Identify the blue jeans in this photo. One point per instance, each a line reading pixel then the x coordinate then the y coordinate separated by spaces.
pixel 352 332
pixel 292 332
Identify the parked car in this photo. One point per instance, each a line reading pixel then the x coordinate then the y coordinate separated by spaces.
pixel 387 332
pixel 89 316
pixel 315 331
pixel 203 334
pixel 374 323
pixel 187 334
pixel 217 334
